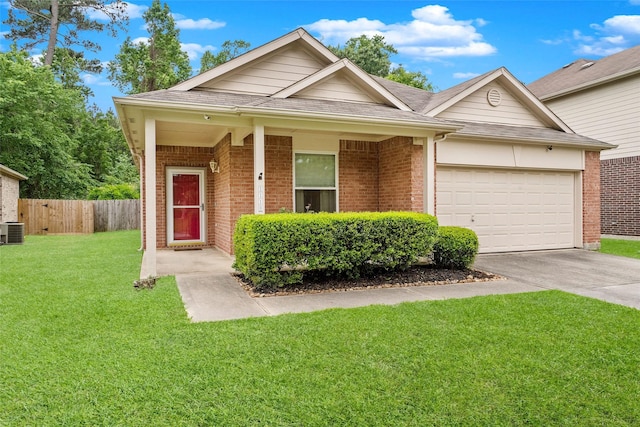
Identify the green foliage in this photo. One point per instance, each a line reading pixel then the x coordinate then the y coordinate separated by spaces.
pixel 114 192
pixel 415 79
pixel 456 247
pixel 38 119
pixel 156 64
pixel 370 54
pixel 48 134
pixel 274 250
pixel 373 55
pixel 229 50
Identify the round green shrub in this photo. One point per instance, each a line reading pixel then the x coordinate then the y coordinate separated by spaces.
pixel 456 247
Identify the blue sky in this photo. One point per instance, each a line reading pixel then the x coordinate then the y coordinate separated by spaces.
pixel 449 41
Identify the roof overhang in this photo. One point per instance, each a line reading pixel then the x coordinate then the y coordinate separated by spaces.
pixel 529 136
pixel 219 120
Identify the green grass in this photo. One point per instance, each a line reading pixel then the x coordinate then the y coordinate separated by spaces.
pixel 628 248
pixel 80 346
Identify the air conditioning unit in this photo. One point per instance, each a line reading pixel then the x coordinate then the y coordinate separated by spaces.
pixel 11 233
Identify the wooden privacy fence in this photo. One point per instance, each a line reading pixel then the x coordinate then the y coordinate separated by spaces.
pixel 44 216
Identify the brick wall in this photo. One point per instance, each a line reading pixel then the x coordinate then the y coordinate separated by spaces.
pixel 222 191
pixel 591 201
pixel 620 193
pixel 278 155
pixel 395 167
pixel 358 176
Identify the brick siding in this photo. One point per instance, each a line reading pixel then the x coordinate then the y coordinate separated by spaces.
pixel 395 167
pixel 591 201
pixel 278 159
pixel 620 192
pixel 358 176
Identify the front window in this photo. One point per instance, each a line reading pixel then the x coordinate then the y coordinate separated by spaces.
pixel 315 182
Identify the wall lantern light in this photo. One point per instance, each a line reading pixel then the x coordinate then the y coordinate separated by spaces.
pixel 215 167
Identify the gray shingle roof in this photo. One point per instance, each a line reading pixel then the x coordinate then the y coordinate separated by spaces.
pixel 541 135
pixel 419 100
pixel 224 99
pixel 584 72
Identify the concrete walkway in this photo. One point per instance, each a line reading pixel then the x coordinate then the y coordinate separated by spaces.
pixel 210 293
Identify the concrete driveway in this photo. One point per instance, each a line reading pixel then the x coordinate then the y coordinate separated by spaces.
pixel 592 274
pixel 210 293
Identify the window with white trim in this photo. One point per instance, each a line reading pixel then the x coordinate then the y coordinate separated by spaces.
pixel 315 182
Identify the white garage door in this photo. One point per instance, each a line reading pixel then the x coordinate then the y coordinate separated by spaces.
pixel 509 210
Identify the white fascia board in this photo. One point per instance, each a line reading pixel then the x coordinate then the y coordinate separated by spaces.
pixel 534 141
pixel 330 70
pixel 520 90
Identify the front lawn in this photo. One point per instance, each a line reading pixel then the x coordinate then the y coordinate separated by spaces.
pixel 628 248
pixel 80 346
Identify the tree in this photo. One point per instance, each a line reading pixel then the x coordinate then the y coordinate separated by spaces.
pixel 230 49
pixel 370 54
pixel 156 64
pixel 38 119
pixel 373 55
pixel 51 22
pixel 415 79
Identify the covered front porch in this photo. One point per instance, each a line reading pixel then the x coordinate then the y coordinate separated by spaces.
pixel 260 169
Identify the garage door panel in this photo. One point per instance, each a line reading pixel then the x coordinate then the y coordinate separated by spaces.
pixel 510 210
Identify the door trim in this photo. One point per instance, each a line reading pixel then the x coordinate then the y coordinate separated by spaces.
pixel 202 173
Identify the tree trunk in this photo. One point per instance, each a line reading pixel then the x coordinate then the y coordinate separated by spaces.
pixel 53 33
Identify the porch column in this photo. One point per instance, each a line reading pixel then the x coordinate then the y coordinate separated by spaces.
pixel 150 195
pixel 429 175
pixel 258 169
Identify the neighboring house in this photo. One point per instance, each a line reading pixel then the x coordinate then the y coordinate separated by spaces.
pixel 601 99
pixel 290 125
pixel 9 194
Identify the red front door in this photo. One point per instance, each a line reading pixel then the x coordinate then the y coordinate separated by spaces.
pixel 186 206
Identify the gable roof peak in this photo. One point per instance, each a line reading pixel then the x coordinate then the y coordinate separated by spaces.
pixel 297 35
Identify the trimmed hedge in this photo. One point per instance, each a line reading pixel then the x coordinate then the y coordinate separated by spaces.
pixel 275 250
pixel 456 247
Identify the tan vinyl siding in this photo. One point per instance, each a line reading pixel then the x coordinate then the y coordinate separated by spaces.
pixel 475 108
pixel 609 113
pixel 336 88
pixel 276 72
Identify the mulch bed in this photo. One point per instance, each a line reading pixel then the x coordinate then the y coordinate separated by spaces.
pixel 418 275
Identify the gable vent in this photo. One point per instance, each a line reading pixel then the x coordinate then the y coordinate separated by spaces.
pixel 494 97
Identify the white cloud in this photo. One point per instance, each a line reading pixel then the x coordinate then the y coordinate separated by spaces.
pixel 200 24
pixel 433 33
pixel 194 49
pixel 140 40
pixel 613 35
pixel 625 24
pixel 94 80
pixel 465 76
